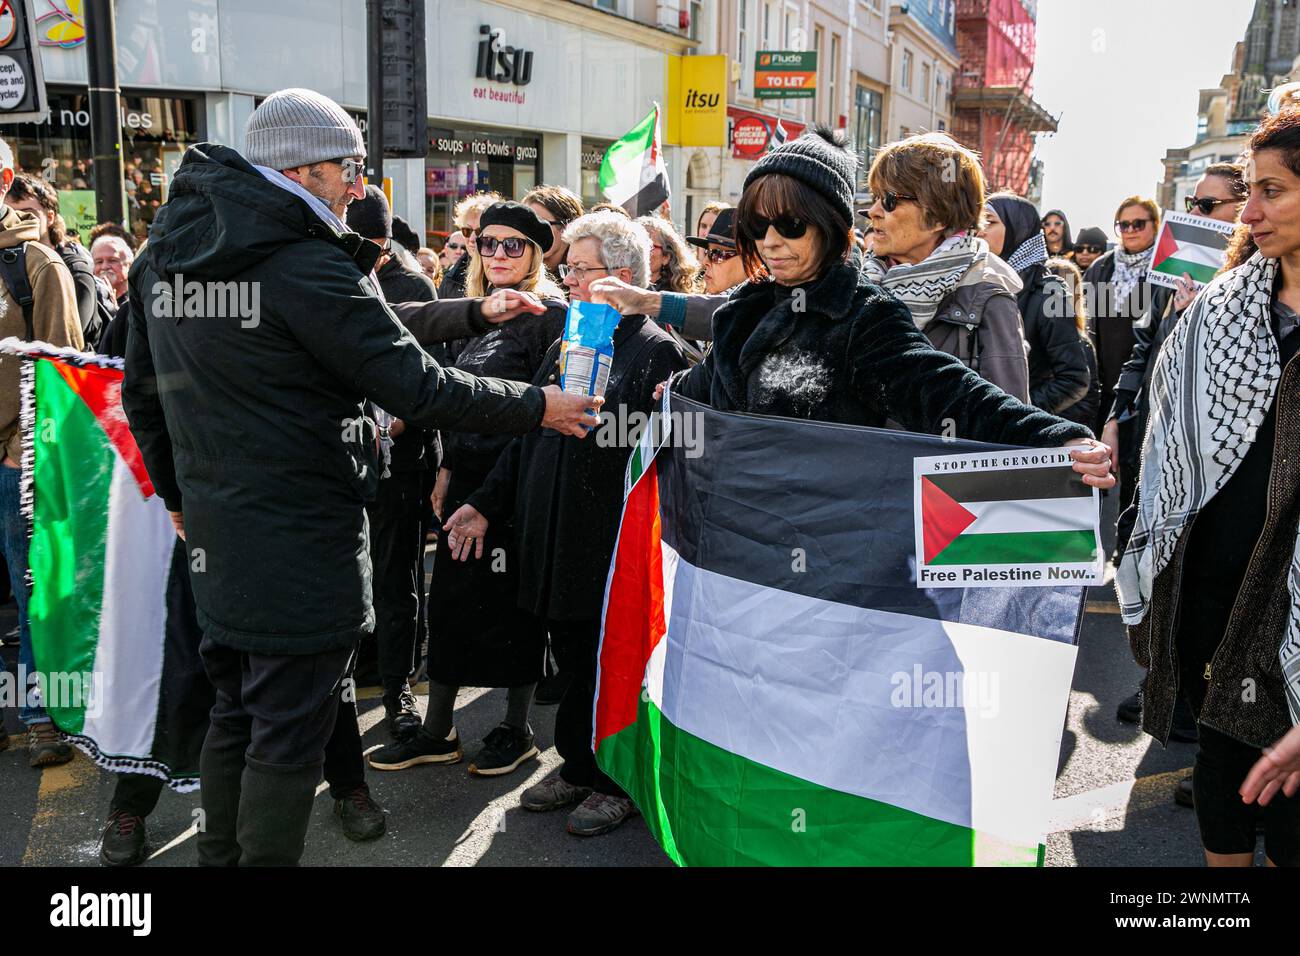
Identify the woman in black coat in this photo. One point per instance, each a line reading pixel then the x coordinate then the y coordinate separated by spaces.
pixel 1058 362
pixel 819 341
pixel 477 635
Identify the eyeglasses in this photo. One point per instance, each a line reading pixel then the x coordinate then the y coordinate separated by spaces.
pixel 455 247
pixel 352 168
pixel 567 270
pixel 1132 225
pixel 1206 204
pixel 514 246
pixel 561 223
pixel 789 227
pixel 468 233
pixel 1090 250
pixel 722 255
pixel 890 200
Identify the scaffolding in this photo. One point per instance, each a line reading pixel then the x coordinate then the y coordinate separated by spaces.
pixel 993 107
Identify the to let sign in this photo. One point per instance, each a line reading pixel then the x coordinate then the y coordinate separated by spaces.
pixel 785 75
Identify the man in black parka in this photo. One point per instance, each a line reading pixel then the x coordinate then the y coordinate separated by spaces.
pixel 255 336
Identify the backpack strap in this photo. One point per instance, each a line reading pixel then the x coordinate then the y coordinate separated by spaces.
pixel 13 269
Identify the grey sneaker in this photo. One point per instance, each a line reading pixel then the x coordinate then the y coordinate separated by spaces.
pixel 599 813
pixel 551 794
pixel 44 748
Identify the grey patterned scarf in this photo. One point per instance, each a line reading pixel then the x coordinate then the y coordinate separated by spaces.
pixel 1130 269
pixel 922 286
pixel 1212 385
pixel 1031 251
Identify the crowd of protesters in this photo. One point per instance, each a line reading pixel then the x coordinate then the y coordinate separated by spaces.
pixel 953 308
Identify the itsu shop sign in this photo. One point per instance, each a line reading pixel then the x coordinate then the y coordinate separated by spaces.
pixel 503 64
pixel 22 84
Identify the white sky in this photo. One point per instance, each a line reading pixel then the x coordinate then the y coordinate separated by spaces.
pixel 1124 77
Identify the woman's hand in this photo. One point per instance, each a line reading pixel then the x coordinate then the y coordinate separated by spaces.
pixel 1110 438
pixel 1092 460
pixel 465 530
pixel 659 390
pixel 438 499
pixel 1278 769
pixel 1184 292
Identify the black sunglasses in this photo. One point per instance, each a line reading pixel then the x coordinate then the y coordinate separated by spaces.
pixel 790 227
pixel 1205 204
pixel 1091 250
pixel 890 200
pixel 1131 225
pixel 514 246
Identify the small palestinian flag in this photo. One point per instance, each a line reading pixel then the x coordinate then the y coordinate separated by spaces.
pixel 633 174
pixel 1191 245
pixel 114 633
pixel 779 136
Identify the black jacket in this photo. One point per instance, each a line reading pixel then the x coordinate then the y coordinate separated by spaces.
pixel 416 448
pixel 1111 325
pixel 253 426
pixel 1084 411
pixel 567 493
pixel 82 267
pixel 1058 362
pixel 853 356
pixel 453 280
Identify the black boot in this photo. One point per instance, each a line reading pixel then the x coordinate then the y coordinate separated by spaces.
pixel 362 818
pixel 274 811
pixel 125 841
pixel 221 771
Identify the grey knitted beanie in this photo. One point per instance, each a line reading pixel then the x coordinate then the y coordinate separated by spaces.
pixel 820 159
pixel 298 127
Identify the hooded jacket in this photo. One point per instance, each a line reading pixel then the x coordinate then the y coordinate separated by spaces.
pixel 1067 241
pixel 54 314
pixel 252 424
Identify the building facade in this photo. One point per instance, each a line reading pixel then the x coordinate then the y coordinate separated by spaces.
pixel 924 51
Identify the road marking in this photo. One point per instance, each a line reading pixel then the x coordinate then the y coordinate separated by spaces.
pixel 1102 607
pixel 65 791
pixel 1095 808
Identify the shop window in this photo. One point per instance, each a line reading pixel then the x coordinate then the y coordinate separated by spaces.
pixel 463 162
pixel 593 154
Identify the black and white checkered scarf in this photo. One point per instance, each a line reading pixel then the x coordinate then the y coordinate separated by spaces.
pixel 923 285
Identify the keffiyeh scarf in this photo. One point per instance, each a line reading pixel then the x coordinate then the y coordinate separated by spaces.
pixel 1212 385
pixel 1130 269
pixel 1032 251
pixel 921 287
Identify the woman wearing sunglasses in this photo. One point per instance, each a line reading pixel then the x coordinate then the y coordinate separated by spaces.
pixel 1058 362
pixel 819 340
pixel 477 635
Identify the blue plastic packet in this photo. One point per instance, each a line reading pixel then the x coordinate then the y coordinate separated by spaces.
pixel 587 351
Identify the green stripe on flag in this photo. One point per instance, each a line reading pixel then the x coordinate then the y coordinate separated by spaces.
pixel 732 811
pixel 1019 547
pixel 72 472
pixel 1197 270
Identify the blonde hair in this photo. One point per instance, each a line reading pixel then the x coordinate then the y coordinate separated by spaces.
pixel 475 203
pixel 682 267
pixel 535 280
pixel 945 177
pixel 1069 274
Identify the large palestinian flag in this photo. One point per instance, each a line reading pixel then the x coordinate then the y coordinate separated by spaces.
pixel 1194 245
pixel 774 688
pixel 633 174
pixel 113 629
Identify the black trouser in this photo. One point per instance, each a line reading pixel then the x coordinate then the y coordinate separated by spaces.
pixel 1130 464
pixel 264 751
pixel 396 553
pixel 345 768
pixel 1227 824
pixel 575 646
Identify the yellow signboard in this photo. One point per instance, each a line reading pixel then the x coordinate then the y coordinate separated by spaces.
pixel 697 101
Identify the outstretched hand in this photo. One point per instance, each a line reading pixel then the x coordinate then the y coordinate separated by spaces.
pixel 506 304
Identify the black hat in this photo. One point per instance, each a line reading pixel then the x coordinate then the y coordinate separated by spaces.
pixel 1091 236
pixel 819 159
pixel 722 232
pixel 405 235
pixel 370 217
pixel 520 217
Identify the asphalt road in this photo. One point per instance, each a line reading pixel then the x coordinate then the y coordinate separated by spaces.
pixel 1114 793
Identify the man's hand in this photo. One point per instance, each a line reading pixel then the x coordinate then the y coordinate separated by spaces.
pixel 465 530
pixel 1092 460
pixel 506 304
pixel 626 299
pixel 1110 438
pixel 659 390
pixel 1184 292
pixel 1278 769
pixel 570 414
pixel 178 522
pixel 438 499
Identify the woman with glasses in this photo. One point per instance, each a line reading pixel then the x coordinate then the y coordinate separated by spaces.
pixel 1058 363
pixel 672 266
pixel 926 250
pixel 820 340
pixel 557 207
pixel 723 268
pixel 466 216
pixel 1117 290
pixel 477 635
pixel 1088 246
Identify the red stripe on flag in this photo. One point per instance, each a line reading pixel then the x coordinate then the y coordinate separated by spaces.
pixel 634 615
pixel 1167 247
pixel 942 519
pixel 101 390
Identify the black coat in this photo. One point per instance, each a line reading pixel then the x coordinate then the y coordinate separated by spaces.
pixel 478 634
pixel 416 448
pixel 253 427
pixel 1111 325
pixel 567 493
pixel 453 280
pixel 1058 361
pixel 82 266
pixel 853 356
pixel 1084 411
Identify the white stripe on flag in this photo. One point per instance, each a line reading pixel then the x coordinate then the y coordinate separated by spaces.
pixel 133 619
pixel 820 704
pixel 1038 514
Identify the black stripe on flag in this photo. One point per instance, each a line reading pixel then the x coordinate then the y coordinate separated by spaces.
pixel 825 511
pixel 1185 233
pixel 1021 485
pixel 648 198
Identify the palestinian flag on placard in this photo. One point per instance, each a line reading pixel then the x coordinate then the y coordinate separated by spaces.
pixel 1189 247
pixel 1027 516
pixel 775 689
pixel 113 628
pixel 633 174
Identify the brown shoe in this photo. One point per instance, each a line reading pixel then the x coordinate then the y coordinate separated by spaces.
pixel 44 748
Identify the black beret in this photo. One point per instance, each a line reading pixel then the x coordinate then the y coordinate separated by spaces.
pixel 517 216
